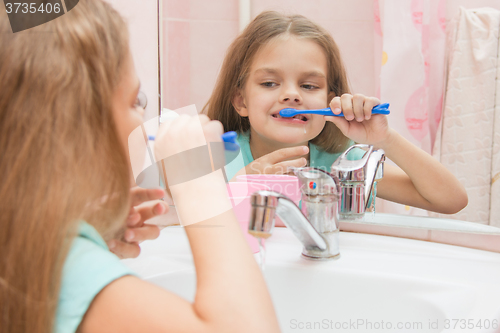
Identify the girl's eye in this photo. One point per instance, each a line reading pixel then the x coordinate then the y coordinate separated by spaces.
pixel 269 84
pixel 309 86
pixel 141 100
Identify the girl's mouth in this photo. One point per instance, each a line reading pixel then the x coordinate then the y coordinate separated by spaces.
pixel 298 119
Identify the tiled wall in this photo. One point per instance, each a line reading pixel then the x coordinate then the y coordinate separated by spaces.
pixel 196 34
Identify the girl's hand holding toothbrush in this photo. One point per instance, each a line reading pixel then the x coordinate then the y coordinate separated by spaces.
pixel 181 144
pixel 184 133
pixel 358 123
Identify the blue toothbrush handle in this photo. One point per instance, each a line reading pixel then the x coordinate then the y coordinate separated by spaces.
pixel 375 110
pixel 384 106
pixel 379 109
pixel 322 112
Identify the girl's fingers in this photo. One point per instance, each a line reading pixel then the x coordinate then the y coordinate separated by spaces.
pixel 203 119
pixel 357 105
pixel 146 232
pixel 178 125
pixel 139 195
pixel 133 219
pixel 149 210
pixel 285 154
pixel 176 137
pixel 283 167
pixel 347 109
pixel 132 210
pixel 278 161
pixel 370 103
pixel 336 105
pixel 213 131
pixel 124 250
pixel 169 131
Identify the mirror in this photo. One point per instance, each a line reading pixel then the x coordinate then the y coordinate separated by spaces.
pixel 404 66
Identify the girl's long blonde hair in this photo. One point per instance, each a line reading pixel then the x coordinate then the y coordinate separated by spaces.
pixel 61 160
pixel 235 69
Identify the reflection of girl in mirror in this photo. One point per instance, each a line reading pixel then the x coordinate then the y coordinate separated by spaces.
pixel 68 103
pixel 289 62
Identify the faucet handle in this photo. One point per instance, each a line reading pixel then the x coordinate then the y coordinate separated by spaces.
pixel 314 181
pixel 352 170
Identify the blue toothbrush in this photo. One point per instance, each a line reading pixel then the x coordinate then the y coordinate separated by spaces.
pixel 289 112
pixel 229 139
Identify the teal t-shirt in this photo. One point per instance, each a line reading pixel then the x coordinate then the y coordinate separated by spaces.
pixel 89 267
pixel 318 158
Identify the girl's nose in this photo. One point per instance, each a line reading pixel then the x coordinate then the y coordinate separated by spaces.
pixel 296 99
pixel 291 95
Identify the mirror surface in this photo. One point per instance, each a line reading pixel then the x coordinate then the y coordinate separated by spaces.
pixel 194 36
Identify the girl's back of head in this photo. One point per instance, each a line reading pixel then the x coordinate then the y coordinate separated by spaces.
pixel 266 27
pixel 60 150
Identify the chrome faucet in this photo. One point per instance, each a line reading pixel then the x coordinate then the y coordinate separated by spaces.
pixel 315 224
pixel 358 180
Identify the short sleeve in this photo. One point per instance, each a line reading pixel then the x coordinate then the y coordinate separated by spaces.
pixel 89 267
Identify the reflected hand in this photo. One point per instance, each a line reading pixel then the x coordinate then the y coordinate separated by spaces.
pixel 278 162
pixel 358 123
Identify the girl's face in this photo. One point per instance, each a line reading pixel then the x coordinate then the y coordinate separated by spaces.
pixel 127 112
pixel 285 73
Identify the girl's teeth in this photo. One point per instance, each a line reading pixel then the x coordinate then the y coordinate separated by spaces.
pixel 301 117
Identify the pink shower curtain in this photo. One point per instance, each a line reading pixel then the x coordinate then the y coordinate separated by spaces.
pixel 410 41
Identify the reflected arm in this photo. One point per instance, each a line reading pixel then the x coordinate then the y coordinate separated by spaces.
pixel 421 181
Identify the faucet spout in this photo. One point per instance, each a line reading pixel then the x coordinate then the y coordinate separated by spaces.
pixel 293 218
pixel 267 204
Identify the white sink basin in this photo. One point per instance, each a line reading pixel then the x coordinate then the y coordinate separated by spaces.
pixel 379 284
